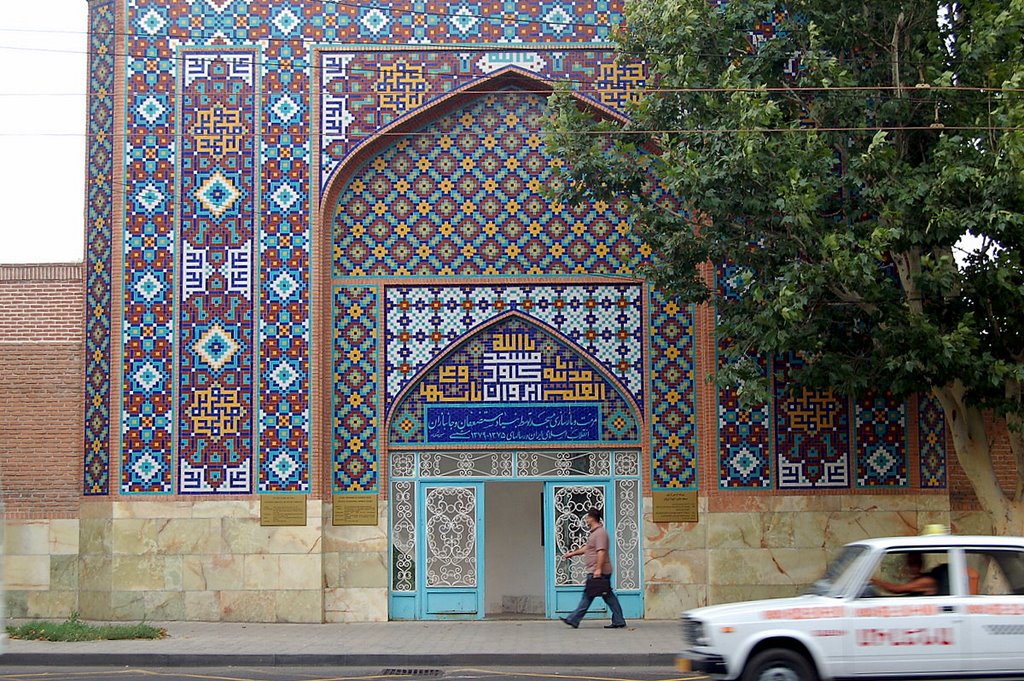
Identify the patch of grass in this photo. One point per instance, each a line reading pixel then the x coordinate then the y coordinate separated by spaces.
pixel 73 629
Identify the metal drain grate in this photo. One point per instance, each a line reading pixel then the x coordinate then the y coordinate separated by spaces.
pixel 394 671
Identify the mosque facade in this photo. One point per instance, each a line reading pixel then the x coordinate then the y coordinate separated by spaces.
pixel 345 359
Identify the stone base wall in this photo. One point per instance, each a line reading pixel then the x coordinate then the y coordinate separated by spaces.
pixel 754 547
pixel 40 567
pixel 356 569
pixel 199 560
pixel 212 561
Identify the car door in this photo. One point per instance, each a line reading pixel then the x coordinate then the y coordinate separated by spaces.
pixel 995 609
pixel 911 634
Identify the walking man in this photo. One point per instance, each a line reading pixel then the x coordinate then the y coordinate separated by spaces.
pixel 599 573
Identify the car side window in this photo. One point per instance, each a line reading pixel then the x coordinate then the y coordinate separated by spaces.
pixel 995 572
pixel 912 573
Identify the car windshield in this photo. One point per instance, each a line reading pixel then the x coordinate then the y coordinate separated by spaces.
pixel 839 572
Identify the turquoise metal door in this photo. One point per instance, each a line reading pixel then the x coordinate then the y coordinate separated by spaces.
pixel 452 551
pixel 566 506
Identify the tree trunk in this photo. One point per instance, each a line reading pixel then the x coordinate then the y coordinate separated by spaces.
pixel 972 442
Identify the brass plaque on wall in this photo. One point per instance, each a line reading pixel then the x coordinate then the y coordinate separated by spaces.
pixel 675 506
pixel 354 509
pixel 282 509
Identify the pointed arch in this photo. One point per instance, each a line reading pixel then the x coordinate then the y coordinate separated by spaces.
pixel 562 370
pixel 508 78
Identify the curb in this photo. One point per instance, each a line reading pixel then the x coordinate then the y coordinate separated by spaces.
pixel 50 659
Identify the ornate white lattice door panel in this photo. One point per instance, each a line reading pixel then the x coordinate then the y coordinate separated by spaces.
pixel 566 510
pixel 452 550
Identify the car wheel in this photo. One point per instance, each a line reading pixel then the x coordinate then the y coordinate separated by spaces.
pixel 779 664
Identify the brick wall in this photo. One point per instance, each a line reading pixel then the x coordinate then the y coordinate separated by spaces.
pixel 961 493
pixel 41 389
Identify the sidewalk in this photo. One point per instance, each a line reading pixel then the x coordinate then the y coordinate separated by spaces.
pixel 386 644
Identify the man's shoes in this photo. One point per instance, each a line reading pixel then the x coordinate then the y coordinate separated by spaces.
pixel 612 626
pixel 571 624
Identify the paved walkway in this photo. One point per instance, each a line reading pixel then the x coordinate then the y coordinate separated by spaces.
pixel 386 644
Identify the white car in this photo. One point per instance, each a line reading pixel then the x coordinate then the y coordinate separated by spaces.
pixel 964 617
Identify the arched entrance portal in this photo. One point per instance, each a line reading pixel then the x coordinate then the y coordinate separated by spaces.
pixel 497 451
pixel 490 357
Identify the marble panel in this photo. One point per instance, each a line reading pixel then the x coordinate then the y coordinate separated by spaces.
pixel 300 606
pixel 675 535
pixel 332 570
pixel 750 530
pixel 247 606
pixel 95 535
pixel 728 593
pixel 134 536
pixel 26 573
pixel 363 570
pixel 355 538
pixel 971 522
pixel 246 536
pixel 174 576
pixel 668 601
pixel 64 537
pixel 680 566
pixel 138 573
pixel 152 508
pixel 56 605
pixel 202 606
pixel 869 503
pixel 63 573
pixel 848 526
pixel 94 573
pixel 190 536
pixel 128 605
pixel 356 605
pixel 95 605
pixel 262 572
pixel 737 567
pixel 212 572
pixel 227 508
pixel 165 605
pixel 26 537
pixel 300 571
pixel 95 508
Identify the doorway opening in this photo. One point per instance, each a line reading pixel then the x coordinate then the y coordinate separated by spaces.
pixel 514 578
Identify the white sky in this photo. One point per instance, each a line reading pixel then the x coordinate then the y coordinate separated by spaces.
pixel 42 130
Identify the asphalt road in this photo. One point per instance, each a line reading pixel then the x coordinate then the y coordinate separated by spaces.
pixel 335 674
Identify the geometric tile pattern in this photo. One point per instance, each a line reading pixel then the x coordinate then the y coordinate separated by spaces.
pixel 604 321
pixel 880 440
pixel 812 438
pixel 274 345
pixel 673 399
pixel 363 91
pixel 931 442
pixel 744 432
pixel 148 324
pixel 99 223
pixel 463 197
pixel 217 215
pixel 284 260
pixel 354 397
pixel 514 362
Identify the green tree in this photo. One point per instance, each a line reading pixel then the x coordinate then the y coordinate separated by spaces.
pixel 839 161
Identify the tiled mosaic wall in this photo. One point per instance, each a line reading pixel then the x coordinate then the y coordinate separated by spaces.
pixel 239 116
pixel 816 439
pixel 99 232
pixel 218 108
pixel 460 197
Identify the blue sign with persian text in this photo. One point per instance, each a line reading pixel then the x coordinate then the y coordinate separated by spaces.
pixel 513 423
